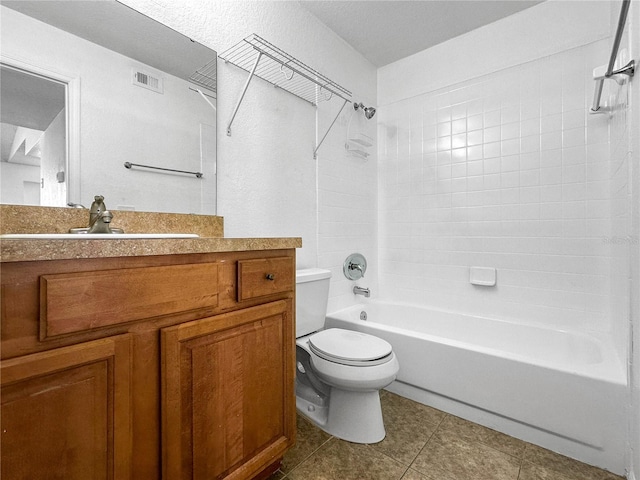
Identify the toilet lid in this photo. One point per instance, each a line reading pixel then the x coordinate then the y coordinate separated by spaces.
pixel 349 347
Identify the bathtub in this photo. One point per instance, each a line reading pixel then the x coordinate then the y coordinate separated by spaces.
pixel 564 391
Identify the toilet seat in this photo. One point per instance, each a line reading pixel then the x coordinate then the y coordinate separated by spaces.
pixel 348 347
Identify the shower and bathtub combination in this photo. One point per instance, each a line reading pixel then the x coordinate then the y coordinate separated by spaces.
pixel 497 161
pixel 509 170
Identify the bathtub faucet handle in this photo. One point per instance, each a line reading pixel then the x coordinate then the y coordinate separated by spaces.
pixel 354 266
pixel 357 266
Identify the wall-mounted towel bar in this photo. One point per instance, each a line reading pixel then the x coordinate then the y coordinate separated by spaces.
pixel 129 165
pixel 628 69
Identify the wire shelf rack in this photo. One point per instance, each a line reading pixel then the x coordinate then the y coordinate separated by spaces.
pixel 261 58
pixel 206 77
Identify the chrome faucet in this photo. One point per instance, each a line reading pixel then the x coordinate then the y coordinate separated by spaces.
pixel 99 216
pixel 361 291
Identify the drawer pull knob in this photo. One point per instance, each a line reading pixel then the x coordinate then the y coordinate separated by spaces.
pixel 270 276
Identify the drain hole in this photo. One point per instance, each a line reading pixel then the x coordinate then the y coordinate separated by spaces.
pixel 363 315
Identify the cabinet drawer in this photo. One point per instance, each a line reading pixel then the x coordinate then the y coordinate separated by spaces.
pixel 265 276
pixel 75 302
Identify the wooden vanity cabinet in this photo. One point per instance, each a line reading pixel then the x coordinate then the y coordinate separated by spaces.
pixel 224 412
pixel 172 367
pixel 66 412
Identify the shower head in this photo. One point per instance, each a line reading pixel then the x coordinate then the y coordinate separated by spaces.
pixel 369 112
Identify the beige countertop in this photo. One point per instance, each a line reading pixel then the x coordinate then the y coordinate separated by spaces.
pixel 18 219
pixel 32 250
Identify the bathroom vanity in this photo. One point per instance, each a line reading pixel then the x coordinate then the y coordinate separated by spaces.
pixel 146 366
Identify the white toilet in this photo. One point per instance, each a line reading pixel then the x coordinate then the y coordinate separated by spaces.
pixel 339 372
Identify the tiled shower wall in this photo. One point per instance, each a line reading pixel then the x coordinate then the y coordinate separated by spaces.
pixel 507 170
pixel 347 208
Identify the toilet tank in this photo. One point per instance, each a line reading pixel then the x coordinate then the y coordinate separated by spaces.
pixel 312 295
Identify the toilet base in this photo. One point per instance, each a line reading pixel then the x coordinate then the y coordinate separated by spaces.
pixel 352 416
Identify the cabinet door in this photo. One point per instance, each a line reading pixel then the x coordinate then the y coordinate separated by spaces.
pixel 228 405
pixel 66 412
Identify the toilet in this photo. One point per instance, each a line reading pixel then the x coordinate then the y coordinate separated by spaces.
pixel 339 372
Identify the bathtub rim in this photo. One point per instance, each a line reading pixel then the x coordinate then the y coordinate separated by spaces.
pixel 610 369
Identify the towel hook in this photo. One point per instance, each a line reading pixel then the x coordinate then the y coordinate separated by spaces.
pixel 282 65
pixel 327 98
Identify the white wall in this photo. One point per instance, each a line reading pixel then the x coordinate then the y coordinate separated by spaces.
pixel 12 183
pixel 545 29
pixel 269 183
pixel 506 170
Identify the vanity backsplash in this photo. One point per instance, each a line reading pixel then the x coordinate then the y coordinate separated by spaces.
pixel 34 219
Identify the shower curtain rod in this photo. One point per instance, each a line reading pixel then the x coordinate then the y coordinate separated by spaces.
pixel 628 69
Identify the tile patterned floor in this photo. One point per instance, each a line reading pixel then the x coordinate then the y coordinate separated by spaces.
pixel 423 443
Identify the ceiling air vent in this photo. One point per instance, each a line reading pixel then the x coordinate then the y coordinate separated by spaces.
pixel 147 80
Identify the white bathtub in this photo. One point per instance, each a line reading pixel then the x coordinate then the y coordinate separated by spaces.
pixel 561 390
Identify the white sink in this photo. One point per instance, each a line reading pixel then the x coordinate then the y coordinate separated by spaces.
pixel 93 236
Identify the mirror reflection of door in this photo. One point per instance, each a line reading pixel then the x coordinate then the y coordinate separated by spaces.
pixel 33 147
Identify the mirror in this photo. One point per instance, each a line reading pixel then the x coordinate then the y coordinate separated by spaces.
pixel 32 146
pixel 89 86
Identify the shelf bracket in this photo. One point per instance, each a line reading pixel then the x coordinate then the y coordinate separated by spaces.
pixel 244 90
pixel 315 152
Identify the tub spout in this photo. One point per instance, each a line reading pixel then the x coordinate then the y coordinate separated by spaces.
pixel 361 291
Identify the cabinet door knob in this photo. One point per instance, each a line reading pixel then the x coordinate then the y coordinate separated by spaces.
pixel 270 276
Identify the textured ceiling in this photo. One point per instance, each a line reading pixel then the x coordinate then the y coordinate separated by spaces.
pixel 384 31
